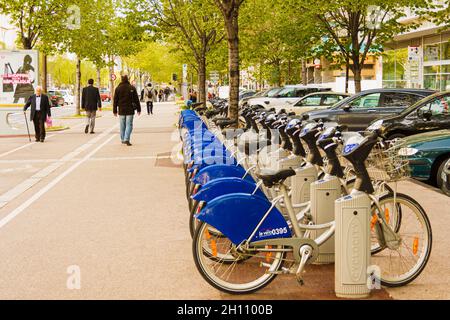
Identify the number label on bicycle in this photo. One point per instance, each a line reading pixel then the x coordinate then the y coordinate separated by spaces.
pixel 272 232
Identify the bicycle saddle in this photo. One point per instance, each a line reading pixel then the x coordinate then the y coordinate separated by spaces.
pixel 272 177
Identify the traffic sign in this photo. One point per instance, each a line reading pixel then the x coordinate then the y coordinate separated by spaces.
pixel 113 77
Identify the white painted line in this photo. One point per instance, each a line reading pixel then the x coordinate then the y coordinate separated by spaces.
pixel 49 186
pixel 76 159
pixel 32 143
pixel 127 158
pixel 30 182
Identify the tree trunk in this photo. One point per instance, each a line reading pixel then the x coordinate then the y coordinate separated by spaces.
pixel 111 82
pixel 232 27
pixel 347 75
pixel 202 80
pixel 304 73
pixel 99 78
pixel 357 76
pixel 78 87
pixel 44 73
pixel 289 72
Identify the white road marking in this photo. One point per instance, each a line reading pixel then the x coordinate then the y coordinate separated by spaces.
pixel 25 185
pixel 53 183
pixel 26 167
pixel 32 143
pixel 76 159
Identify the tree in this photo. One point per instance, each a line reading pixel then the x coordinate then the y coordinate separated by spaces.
pixel 230 13
pixel 359 26
pixel 194 25
pixel 157 60
pixel 283 38
pixel 38 23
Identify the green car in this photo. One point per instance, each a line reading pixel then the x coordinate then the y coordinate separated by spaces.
pixel 428 154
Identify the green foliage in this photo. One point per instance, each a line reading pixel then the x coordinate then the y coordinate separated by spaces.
pixel 62 70
pixel 156 59
pixel 38 21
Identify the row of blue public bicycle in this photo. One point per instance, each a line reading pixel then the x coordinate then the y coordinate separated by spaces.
pixel 261 198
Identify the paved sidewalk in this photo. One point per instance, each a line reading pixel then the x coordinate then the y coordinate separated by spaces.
pixel 119 214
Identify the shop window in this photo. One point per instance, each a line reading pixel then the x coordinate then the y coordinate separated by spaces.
pixel 431 52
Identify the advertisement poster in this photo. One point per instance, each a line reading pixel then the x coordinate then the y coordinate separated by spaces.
pixel 19 72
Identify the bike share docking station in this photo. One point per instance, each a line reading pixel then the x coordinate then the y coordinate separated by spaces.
pixel 352 245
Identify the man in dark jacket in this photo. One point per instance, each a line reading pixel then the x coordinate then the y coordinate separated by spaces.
pixel 126 102
pixel 91 102
pixel 40 109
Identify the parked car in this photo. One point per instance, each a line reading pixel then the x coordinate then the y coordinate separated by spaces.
pixel 428 154
pixel 429 114
pixel 359 111
pixel 288 94
pixel 263 94
pixel 68 97
pixel 105 95
pixel 56 97
pixel 314 101
pixel 246 94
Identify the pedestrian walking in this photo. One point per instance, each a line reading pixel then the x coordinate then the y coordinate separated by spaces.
pixel 40 110
pixel 166 93
pixel 161 95
pixel 91 102
pixel 126 103
pixel 148 98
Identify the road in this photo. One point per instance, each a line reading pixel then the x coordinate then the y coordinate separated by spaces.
pixel 85 217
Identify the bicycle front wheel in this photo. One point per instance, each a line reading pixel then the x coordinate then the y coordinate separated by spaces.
pixel 402 263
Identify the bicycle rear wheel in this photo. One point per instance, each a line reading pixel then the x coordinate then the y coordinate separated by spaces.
pixel 404 263
pixel 243 275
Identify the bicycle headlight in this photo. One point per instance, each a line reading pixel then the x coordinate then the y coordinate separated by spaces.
pixel 376 125
pixel 407 151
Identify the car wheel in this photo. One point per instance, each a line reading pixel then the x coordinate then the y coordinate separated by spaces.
pixel 443 167
pixel 445 176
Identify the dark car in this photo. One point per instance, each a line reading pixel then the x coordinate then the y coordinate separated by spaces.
pixel 428 154
pixel 429 114
pixel 359 111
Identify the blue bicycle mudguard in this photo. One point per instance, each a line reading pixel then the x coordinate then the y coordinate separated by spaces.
pixel 237 215
pixel 218 171
pixel 223 186
pixel 210 161
pixel 198 155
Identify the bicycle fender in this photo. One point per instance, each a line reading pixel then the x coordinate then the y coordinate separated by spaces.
pixel 223 186
pixel 218 171
pixel 209 161
pixel 237 215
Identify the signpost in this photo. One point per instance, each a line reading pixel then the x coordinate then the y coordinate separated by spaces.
pixel 184 85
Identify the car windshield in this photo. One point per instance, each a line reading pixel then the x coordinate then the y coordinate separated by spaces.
pixel 421 102
pixel 272 92
pixel 286 93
